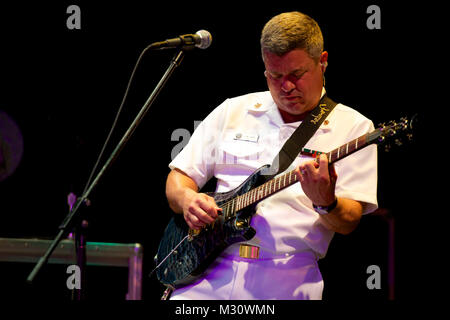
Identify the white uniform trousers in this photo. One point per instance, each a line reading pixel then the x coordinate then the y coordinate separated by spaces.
pixel 292 277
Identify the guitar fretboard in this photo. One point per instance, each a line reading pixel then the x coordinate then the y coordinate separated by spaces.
pixel 344 150
pixel 263 191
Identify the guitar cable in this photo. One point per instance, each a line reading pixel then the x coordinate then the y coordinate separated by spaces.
pixel 165 258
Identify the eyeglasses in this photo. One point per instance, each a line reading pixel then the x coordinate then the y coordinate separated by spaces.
pixel 293 76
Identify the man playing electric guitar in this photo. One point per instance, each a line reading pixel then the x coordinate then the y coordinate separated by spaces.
pixel 294 226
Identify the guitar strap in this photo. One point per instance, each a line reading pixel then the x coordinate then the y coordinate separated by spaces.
pixel 300 137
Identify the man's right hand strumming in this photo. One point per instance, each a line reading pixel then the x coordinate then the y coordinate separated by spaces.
pixel 198 209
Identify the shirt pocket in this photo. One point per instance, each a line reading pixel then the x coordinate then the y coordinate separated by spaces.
pixel 238 157
pixel 240 152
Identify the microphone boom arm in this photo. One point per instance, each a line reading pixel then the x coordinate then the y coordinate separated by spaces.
pixel 186 42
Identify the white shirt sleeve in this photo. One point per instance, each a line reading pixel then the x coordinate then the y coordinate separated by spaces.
pixel 197 159
pixel 357 173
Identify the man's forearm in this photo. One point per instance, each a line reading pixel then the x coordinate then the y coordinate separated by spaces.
pixel 177 185
pixel 182 194
pixel 345 217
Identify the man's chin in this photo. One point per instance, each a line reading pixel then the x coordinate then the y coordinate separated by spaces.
pixel 295 108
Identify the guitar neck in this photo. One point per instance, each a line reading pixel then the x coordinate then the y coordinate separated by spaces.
pixel 265 190
pixel 285 180
pixel 346 149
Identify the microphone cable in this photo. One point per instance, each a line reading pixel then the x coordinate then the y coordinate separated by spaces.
pixel 115 120
pixel 204 42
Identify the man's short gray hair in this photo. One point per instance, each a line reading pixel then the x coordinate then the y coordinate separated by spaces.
pixel 292 30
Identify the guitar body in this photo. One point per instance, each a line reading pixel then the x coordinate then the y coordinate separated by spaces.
pixel 192 256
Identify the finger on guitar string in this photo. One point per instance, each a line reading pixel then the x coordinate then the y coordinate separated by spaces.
pixel 199 216
pixel 211 208
pixel 322 164
pixel 326 171
pixel 203 210
pixel 194 209
pixel 193 222
pixel 315 169
pixel 309 170
pixel 332 172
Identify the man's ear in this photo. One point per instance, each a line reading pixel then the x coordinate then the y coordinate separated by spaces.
pixel 323 60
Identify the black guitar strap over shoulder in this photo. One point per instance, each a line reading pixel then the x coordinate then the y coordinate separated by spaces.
pixel 300 137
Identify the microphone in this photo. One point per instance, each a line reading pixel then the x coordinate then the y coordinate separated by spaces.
pixel 201 39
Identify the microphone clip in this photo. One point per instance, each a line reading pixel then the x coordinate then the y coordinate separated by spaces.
pixel 185 42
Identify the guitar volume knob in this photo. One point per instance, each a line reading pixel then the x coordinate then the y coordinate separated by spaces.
pixel 240 224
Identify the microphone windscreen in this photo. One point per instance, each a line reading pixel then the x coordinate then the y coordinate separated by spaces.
pixel 205 39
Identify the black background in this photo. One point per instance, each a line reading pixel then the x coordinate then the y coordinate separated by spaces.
pixel 63 88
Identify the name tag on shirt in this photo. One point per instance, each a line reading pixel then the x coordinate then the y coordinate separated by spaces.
pixel 246 137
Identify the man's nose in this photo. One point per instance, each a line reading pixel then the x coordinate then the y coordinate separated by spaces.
pixel 287 85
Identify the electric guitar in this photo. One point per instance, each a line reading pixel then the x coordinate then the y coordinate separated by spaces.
pixel 184 254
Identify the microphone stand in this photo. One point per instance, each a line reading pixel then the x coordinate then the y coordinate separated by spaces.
pixel 73 218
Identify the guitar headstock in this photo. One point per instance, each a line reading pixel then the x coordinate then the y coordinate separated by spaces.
pixel 394 131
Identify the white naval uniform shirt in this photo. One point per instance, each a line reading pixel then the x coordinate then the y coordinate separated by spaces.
pixel 238 137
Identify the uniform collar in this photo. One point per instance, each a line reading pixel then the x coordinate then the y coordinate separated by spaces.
pixel 326 126
pixel 266 105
